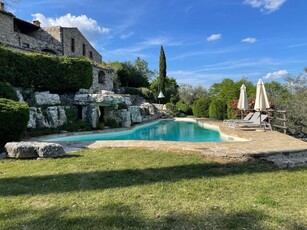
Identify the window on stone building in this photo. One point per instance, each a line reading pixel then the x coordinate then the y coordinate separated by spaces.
pixel 83 49
pixel 101 77
pixel 72 45
pixel 91 55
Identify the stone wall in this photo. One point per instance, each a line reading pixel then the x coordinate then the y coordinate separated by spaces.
pixel 68 34
pixel 102 79
pixel 7 29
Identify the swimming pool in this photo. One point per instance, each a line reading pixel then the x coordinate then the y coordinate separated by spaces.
pixel 162 130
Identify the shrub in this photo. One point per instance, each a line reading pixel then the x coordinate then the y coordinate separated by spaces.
pixel 183 108
pixel 7 91
pixel 201 107
pixel 218 109
pixel 171 108
pixel 42 72
pixel 112 123
pixel 14 117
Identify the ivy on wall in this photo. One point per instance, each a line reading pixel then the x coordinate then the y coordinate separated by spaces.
pixel 45 72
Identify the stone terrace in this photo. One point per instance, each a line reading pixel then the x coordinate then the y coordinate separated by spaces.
pixel 281 149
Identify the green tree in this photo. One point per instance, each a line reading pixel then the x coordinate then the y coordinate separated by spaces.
pixel 277 93
pixel 171 89
pixel 188 94
pixel 296 106
pixel 142 67
pixel 201 107
pixel 130 76
pixel 227 91
pixel 162 70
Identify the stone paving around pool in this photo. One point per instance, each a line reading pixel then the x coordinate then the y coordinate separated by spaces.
pixel 281 149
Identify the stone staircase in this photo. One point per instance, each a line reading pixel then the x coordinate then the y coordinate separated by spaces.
pixel 287 160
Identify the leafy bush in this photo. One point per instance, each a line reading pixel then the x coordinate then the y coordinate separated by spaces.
pixel 100 126
pixel 7 91
pixel 201 107
pixel 42 72
pixel 183 108
pixel 112 123
pixel 171 108
pixel 14 117
pixel 218 109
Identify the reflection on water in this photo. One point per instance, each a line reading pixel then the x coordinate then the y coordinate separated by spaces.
pixel 164 130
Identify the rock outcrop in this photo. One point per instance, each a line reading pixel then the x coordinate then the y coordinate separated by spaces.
pixel 104 98
pixel 46 98
pixel 135 113
pixel 52 117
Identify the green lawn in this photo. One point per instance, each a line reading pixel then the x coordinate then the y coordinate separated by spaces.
pixel 140 189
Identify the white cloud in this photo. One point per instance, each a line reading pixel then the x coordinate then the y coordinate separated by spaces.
pixel 88 26
pixel 267 6
pixel 214 37
pixel 125 36
pixel 277 74
pixel 249 40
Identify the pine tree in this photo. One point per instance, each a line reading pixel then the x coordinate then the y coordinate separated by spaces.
pixel 162 70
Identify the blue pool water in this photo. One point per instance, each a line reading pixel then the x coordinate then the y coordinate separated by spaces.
pixel 164 130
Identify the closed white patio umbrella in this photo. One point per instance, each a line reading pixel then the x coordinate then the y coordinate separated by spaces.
pixel 261 102
pixel 243 101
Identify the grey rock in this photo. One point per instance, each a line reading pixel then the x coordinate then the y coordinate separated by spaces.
pixel 21 150
pixel 52 114
pixel 41 121
pixel 19 95
pixel 62 116
pixel 105 98
pixel 49 150
pixel 135 113
pixel 46 98
pixel 32 118
pixel 24 150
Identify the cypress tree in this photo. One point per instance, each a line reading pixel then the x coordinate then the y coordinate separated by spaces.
pixel 162 70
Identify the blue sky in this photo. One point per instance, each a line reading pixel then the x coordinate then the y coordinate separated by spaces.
pixel 205 41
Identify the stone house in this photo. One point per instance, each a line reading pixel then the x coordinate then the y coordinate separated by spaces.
pixel 24 36
pixel 21 35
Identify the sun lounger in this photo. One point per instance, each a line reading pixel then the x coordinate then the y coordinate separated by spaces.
pixel 253 118
pixel 255 123
pixel 246 118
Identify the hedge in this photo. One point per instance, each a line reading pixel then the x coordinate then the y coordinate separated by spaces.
pixel 14 117
pixel 218 109
pixel 201 107
pixel 45 72
pixel 7 91
pixel 183 108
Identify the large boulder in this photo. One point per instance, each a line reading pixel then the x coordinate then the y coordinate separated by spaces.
pixel 21 150
pixel 24 150
pixel 49 150
pixel 104 98
pixel 37 119
pixel 135 113
pixel 46 98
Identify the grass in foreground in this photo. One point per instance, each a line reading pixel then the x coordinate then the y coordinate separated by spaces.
pixel 139 189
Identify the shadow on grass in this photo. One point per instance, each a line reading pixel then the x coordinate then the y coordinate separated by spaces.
pixel 120 216
pixel 59 183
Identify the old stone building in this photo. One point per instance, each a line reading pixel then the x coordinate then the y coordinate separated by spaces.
pixel 21 35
